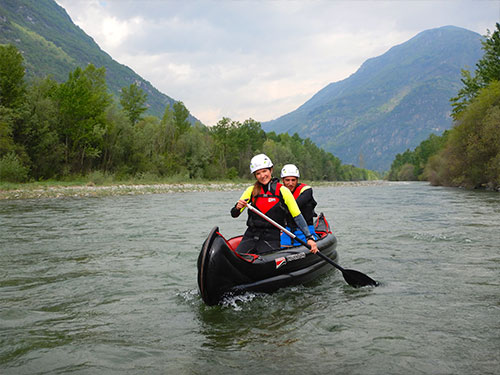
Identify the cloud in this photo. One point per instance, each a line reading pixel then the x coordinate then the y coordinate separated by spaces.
pixel 259 59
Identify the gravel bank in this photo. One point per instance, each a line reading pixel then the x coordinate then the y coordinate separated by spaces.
pixel 102 191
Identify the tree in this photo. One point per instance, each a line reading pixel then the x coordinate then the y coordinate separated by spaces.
pixel 417 159
pixel 471 157
pixel 132 100
pixel 11 169
pixel 147 149
pixel 181 115
pixel 82 101
pixel 7 144
pixel 12 86
pixel 168 126
pixel 197 152
pixel 223 147
pixel 40 136
pixel 487 70
pixel 12 99
pixel 118 140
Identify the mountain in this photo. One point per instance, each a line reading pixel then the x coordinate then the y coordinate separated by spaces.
pixel 53 45
pixel 392 103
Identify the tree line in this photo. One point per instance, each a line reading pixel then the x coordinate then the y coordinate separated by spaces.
pixel 52 130
pixel 467 155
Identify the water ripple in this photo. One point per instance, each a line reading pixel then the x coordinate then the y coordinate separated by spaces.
pixel 108 285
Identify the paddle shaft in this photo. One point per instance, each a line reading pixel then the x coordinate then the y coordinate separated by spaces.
pixel 262 215
pixel 352 277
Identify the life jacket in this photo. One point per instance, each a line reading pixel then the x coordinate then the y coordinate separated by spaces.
pixel 307 208
pixel 298 190
pixel 270 203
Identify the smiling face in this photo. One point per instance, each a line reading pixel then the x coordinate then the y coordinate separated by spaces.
pixel 263 175
pixel 290 182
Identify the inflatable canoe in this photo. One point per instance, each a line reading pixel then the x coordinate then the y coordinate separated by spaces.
pixel 222 271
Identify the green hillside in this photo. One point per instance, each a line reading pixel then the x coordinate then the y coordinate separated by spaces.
pixel 52 45
pixel 391 103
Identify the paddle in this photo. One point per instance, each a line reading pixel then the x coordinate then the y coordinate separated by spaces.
pixel 352 277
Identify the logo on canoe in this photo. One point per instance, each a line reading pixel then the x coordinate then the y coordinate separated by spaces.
pixel 297 256
pixel 280 262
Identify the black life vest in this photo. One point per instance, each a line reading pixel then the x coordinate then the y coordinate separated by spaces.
pixel 271 203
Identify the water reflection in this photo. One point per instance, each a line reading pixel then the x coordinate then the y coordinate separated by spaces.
pixel 242 320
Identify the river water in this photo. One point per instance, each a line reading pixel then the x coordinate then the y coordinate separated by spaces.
pixel 108 286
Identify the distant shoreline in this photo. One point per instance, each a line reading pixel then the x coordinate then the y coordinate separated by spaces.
pixel 90 190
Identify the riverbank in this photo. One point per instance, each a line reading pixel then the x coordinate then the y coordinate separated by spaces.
pixel 90 190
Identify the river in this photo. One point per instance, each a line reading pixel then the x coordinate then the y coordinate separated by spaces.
pixel 108 286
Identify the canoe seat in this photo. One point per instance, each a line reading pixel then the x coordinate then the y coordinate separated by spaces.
pixel 234 242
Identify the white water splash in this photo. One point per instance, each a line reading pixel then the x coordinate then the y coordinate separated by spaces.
pixel 235 301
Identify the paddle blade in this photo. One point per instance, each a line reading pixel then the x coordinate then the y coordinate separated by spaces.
pixel 358 279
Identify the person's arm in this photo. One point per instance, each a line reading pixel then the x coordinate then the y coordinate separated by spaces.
pixel 297 217
pixel 241 204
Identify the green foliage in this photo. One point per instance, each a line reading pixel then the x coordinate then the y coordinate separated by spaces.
pixel 351 173
pixel 232 173
pixel 410 165
pixel 99 178
pixel 118 143
pixel 11 169
pixel 196 146
pixel 132 100
pixel 406 173
pixel 74 128
pixel 82 102
pixel 472 154
pixel 12 86
pixel 7 144
pixel 180 117
pixel 235 144
pixel 40 137
pixel 487 70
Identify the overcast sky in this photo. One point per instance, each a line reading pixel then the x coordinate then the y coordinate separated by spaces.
pixel 260 59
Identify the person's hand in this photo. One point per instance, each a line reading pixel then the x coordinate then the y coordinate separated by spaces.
pixel 314 247
pixel 241 203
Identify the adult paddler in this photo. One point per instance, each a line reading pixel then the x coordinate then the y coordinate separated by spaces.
pixel 303 194
pixel 275 201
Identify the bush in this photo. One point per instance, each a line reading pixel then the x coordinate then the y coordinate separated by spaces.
pixel 407 173
pixel 12 170
pixel 146 177
pixel 232 173
pixel 99 178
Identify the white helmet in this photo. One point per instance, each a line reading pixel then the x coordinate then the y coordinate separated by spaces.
pixel 290 170
pixel 260 161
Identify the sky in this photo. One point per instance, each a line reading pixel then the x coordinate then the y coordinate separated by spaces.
pixel 260 59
